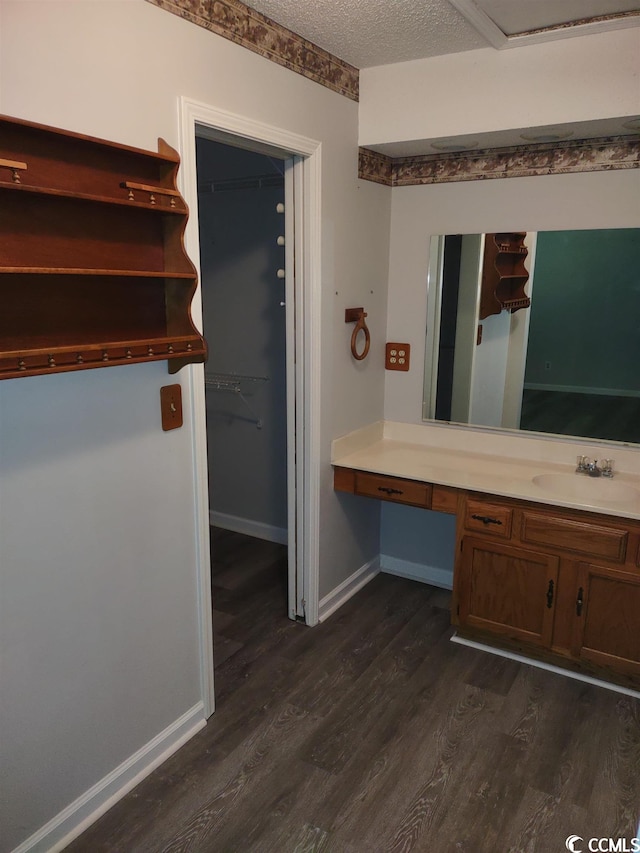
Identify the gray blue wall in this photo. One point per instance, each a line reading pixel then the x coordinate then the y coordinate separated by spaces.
pixel 244 324
pixel 418 544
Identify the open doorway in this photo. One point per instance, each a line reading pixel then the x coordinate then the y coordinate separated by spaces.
pixel 241 219
pixel 242 262
pixel 302 288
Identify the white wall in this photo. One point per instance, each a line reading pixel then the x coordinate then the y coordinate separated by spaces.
pixel 97 512
pixel 572 80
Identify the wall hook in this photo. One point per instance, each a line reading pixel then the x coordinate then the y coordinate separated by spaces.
pixel 357 315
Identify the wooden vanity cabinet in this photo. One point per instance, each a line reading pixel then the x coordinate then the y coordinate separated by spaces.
pixel 557 584
pixel 536 592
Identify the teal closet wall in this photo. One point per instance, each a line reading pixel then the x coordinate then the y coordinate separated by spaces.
pixel 585 314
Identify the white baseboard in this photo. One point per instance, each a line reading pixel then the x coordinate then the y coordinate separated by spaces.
pixel 549 667
pixel 342 593
pixel 248 527
pixel 61 830
pixel 581 389
pixel 416 571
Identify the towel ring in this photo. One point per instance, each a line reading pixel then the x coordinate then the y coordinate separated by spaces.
pixel 357 315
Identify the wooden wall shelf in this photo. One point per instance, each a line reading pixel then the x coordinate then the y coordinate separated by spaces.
pixel 504 275
pixel 93 270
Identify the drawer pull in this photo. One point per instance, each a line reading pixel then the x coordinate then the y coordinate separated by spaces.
pixel 579 602
pixel 550 595
pixel 389 491
pixel 486 519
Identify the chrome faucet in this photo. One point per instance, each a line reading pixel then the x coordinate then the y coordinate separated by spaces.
pixel 590 467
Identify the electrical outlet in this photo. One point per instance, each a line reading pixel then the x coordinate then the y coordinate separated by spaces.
pixel 171 406
pixel 397 356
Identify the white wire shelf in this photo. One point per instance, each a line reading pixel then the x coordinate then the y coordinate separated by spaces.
pixel 232 383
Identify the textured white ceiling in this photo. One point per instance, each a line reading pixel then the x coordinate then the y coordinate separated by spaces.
pixel 366 33
pixel 376 32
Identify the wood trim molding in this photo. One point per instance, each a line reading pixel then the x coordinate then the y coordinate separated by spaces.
pixel 557 158
pixel 232 20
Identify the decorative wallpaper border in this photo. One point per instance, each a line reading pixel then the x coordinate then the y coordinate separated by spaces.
pixel 244 26
pixel 375 167
pixel 549 158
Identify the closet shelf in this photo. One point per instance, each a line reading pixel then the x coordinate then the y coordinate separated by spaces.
pixel 232 378
pixel 90 275
pixel 233 382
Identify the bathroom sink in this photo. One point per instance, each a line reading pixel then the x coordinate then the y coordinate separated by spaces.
pixel 584 489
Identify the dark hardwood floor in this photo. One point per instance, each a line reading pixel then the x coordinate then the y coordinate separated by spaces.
pixel 373 733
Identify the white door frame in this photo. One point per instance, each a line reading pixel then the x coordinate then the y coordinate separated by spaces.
pixel 307 368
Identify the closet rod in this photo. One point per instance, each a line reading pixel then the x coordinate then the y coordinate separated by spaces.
pixel 257 182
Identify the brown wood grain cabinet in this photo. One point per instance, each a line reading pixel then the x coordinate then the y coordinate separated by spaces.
pixel 606 625
pixel 557 584
pixel 536 593
pixel 93 270
pixel 507 590
pixel 395 489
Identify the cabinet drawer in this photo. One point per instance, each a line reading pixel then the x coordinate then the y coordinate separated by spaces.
pixel 593 540
pixel 393 489
pixel 488 518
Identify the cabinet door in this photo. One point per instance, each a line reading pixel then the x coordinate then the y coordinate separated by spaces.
pixel 607 618
pixel 507 590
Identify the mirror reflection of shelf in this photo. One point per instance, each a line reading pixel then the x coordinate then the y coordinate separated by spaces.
pixel 504 275
pixel 233 383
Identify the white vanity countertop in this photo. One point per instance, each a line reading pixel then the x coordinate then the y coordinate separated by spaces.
pixel 494 463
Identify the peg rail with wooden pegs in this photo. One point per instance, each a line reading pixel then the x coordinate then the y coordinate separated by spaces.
pixel 93 270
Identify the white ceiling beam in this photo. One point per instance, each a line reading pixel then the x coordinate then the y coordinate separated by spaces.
pixel 482 22
pixel 586 29
pixel 479 19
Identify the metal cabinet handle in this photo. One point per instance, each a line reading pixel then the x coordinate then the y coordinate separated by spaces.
pixel 579 602
pixel 550 595
pixel 486 519
pixel 389 491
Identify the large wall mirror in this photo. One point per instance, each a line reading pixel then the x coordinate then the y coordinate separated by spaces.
pixel 567 364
